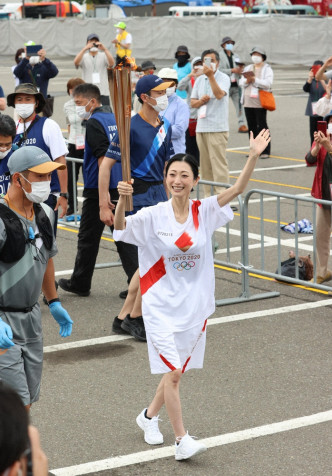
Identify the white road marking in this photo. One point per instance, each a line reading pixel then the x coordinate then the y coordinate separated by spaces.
pixel 212 442
pixel 268 169
pixel 211 321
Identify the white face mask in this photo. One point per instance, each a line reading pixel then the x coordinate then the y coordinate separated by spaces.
pixel 162 103
pixel 82 112
pixel 34 60
pixel 3 154
pixel 170 91
pixel 229 47
pixel 93 49
pixel 25 110
pixel 256 59
pixel 118 31
pixel 39 191
pixel 329 128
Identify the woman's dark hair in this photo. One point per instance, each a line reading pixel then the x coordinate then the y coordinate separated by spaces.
pixel 189 159
pixel 7 126
pixel 73 82
pixel 14 422
pixel 18 54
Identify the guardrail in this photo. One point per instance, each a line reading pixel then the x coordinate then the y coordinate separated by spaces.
pixel 244 265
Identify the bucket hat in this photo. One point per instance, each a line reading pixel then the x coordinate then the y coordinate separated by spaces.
pixel 27 88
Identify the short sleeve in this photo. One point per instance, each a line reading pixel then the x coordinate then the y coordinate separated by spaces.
pixel 113 151
pixel 136 231
pixel 213 215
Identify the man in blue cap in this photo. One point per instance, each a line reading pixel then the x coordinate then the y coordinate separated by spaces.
pixel 27 246
pixel 150 149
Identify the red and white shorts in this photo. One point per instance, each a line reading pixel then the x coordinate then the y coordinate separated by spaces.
pixel 177 350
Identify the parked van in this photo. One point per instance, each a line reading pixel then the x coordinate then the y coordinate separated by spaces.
pixel 284 10
pixel 204 11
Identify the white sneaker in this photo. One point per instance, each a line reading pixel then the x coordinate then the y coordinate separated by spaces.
pixel 152 435
pixel 188 447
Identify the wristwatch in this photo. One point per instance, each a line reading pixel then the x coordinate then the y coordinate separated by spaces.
pixel 64 194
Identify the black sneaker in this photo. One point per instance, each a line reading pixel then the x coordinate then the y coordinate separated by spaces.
pixel 116 326
pixel 123 294
pixel 66 286
pixel 134 327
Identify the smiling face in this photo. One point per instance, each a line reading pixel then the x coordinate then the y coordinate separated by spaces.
pixel 180 179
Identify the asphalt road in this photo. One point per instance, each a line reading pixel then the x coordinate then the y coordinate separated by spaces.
pixel 262 403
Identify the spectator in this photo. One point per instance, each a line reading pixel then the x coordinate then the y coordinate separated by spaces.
pixel 76 141
pixel 37 70
pixel 19 443
pixel 150 149
pixel 210 97
pixel 3 103
pixel 258 75
pixel 94 59
pixel 182 66
pixel 100 131
pixel 316 90
pixel 26 267
pixel 122 42
pixel 7 135
pixel 187 84
pixel 177 112
pixel 229 67
pixel 146 68
pixel 20 53
pixel 44 133
pixel 320 154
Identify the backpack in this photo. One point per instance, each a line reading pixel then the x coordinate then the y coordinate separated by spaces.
pixel 305 266
pixel 14 247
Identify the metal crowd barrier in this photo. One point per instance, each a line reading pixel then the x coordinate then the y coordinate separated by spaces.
pixel 244 265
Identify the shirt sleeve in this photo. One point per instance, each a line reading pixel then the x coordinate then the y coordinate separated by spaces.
pixel 96 138
pixel 181 120
pixel 194 93
pixel 137 226
pixel 2 95
pixel 113 151
pixel 53 138
pixel 213 215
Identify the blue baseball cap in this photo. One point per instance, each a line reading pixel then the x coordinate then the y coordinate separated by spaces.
pixel 151 82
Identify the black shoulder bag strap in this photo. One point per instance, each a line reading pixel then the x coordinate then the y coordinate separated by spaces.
pixel 24 136
pixel 44 226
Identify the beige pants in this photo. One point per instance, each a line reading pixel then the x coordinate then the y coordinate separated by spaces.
pixel 214 165
pixel 323 235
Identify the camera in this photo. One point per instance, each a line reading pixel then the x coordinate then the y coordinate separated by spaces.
pixel 95 44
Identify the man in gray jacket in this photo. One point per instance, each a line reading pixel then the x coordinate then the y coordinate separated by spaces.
pixel 229 67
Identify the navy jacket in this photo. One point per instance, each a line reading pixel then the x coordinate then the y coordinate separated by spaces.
pixel 41 72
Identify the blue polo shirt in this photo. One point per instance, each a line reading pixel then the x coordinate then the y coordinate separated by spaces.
pixel 150 148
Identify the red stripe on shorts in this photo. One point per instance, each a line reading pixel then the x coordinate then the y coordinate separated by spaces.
pixel 169 365
pixel 156 272
pixel 185 365
pixel 204 327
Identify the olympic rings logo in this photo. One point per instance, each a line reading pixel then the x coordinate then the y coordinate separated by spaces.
pixel 184 265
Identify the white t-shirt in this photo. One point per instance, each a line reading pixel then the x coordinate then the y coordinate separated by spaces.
pixel 52 136
pixel 94 70
pixel 175 263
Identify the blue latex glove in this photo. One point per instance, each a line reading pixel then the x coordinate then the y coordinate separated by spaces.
pixel 6 334
pixel 62 317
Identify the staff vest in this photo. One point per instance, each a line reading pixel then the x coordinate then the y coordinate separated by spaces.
pixel 35 137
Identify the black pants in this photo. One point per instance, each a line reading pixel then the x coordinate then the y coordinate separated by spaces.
pixel 91 229
pixel 77 154
pixel 191 146
pixel 313 126
pixel 256 119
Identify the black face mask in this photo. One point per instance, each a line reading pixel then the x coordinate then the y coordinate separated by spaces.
pixel 182 59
